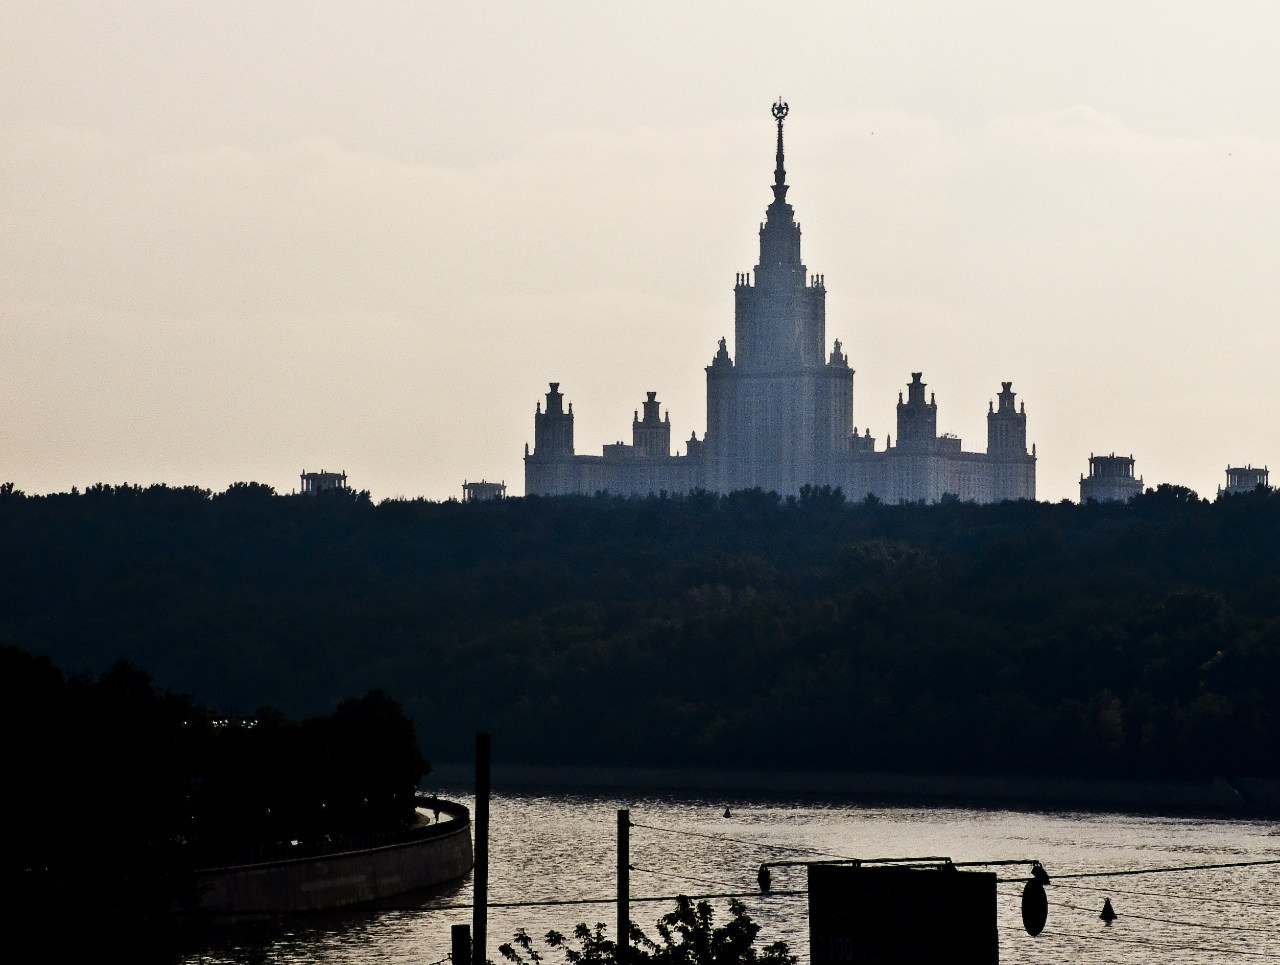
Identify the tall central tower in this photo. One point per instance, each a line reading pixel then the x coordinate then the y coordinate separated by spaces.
pixel 778 413
pixel 780 315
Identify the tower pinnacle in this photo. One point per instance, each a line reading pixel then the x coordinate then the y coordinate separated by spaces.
pixel 780 111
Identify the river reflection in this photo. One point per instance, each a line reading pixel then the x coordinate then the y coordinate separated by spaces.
pixel 558 846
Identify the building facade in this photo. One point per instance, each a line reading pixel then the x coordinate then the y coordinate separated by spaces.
pixel 1245 479
pixel 316 482
pixel 483 491
pixel 1110 480
pixel 780 410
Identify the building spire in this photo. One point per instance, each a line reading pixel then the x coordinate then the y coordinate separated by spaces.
pixel 780 110
pixel 779 234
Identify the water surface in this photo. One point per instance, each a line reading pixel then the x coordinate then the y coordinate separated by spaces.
pixel 560 846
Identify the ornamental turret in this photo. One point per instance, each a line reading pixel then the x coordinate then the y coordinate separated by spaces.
pixel 553 429
pixel 917 419
pixel 1006 425
pixel 651 436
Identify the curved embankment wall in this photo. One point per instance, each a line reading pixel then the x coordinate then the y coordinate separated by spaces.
pixel 413 860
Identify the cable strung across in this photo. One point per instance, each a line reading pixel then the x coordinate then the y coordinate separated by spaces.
pixel 753 844
pixel 1174 921
pixel 1161 894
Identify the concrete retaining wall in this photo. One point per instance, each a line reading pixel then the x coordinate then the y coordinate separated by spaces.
pixel 341 879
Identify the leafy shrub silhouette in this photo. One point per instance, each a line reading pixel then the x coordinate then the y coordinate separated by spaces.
pixel 688 935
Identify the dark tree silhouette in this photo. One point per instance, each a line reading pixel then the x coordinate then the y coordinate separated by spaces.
pixel 739 630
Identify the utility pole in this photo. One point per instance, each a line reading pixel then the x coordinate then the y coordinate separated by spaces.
pixel 480 877
pixel 624 886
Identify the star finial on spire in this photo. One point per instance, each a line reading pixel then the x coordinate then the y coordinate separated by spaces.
pixel 780 111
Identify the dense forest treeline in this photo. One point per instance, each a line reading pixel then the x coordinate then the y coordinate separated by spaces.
pixel 744 630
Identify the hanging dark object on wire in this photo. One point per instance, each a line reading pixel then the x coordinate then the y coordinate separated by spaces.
pixel 1108 914
pixel 764 878
pixel 1034 901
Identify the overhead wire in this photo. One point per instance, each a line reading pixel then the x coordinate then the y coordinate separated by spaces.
pixel 1161 894
pixel 1211 926
pixel 754 844
pixel 671 874
pixel 1165 870
pixel 549 902
pixel 699 834
pixel 1057 877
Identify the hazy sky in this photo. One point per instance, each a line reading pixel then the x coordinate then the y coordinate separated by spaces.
pixel 240 240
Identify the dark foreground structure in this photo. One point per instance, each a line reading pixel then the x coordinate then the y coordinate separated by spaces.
pixel 780 414
pixel 344 873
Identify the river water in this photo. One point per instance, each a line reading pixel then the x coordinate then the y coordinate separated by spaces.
pixel 563 846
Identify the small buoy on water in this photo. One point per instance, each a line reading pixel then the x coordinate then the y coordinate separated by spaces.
pixel 763 877
pixel 727 813
pixel 1108 914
